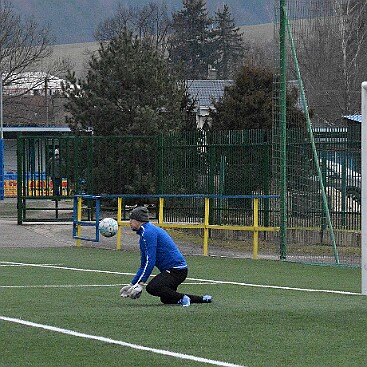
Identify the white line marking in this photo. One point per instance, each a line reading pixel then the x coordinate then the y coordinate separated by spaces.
pixel 66 268
pixel 278 287
pixel 199 283
pixel 62 285
pixel 81 285
pixel 118 342
pixel 192 279
pixel 16 265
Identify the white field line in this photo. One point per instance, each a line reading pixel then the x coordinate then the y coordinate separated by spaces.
pixel 192 279
pixel 65 268
pixel 6 264
pixel 119 342
pixel 62 285
pixel 84 285
pixel 280 287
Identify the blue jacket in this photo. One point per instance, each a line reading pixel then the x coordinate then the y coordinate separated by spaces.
pixel 156 249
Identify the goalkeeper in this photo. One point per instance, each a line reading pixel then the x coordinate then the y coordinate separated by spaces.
pixel 158 249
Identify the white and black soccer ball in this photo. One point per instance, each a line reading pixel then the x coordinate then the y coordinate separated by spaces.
pixel 108 227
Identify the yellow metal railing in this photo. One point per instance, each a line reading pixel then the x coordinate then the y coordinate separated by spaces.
pixel 205 226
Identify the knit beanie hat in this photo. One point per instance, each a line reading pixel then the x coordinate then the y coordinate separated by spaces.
pixel 140 214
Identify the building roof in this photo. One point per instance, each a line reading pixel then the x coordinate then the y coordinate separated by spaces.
pixel 32 129
pixel 205 91
pixel 355 117
pixel 31 81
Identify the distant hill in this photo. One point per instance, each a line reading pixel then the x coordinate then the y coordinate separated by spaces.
pixel 75 21
pixel 79 53
pixel 258 32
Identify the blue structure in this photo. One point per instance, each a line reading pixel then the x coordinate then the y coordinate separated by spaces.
pixel 2 169
pixel 355 117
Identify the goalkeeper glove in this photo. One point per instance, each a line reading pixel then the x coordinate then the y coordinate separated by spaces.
pixel 135 291
pixel 124 291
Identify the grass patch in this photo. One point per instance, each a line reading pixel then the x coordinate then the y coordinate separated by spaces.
pixel 244 325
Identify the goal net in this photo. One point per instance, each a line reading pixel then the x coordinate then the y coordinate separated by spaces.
pixel 316 154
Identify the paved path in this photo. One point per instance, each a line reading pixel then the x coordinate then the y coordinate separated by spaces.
pixel 56 235
pixel 35 234
pixel 61 235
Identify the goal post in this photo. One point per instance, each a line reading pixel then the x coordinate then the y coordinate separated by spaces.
pixel 364 185
pixel 305 206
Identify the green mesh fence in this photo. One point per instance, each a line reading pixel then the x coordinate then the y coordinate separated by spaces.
pixel 220 163
pixel 93 165
pixel 224 163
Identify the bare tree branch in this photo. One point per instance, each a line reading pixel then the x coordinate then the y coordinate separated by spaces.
pixel 25 50
pixel 149 22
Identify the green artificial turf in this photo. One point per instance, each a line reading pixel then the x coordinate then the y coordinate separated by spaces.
pixel 245 325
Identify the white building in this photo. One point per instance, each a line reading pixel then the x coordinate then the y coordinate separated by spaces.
pixel 34 83
pixel 204 93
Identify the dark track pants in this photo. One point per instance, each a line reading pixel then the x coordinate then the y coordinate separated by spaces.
pixel 165 284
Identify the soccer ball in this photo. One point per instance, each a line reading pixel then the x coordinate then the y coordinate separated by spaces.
pixel 108 227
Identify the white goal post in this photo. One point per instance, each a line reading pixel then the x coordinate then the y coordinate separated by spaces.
pixel 364 188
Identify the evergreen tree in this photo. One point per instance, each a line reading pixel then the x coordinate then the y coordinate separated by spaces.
pixel 228 44
pixel 191 43
pixel 129 90
pixel 248 104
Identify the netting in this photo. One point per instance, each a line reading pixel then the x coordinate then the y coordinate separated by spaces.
pixel 326 65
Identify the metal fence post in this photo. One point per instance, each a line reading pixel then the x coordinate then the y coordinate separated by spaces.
pixel 206 229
